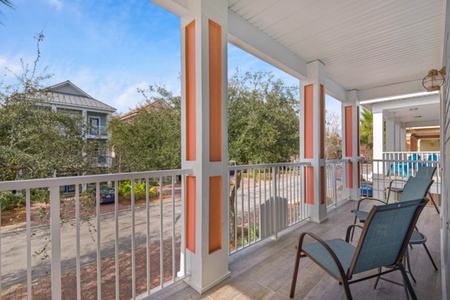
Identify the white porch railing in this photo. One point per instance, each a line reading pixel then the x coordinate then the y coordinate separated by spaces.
pixel 71 247
pixel 336 181
pixel 264 200
pixel 377 174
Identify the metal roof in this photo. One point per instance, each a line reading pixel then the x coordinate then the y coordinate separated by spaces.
pixel 69 95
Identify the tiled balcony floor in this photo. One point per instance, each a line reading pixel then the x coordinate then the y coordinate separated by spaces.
pixel 264 271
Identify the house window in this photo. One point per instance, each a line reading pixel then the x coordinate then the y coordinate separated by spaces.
pixel 94 126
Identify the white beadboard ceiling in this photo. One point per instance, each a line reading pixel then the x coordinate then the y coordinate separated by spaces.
pixel 363 43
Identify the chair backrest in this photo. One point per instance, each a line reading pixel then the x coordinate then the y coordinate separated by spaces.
pixel 415 188
pixel 385 235
pixel 426 172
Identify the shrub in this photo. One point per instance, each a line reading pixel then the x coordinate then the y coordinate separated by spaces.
pixel 11 200
pixel 139 190
pixel 40 195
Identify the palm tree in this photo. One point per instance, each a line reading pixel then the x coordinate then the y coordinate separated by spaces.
pixel 366 133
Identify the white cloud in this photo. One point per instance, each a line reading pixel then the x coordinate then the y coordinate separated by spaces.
pixel 56 3
pixel 129 99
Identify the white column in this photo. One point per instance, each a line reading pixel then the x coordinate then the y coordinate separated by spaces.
pixel 397 136
pixel 350 143
pixel 402 138
pixel 378 140
pixel 204 141
pixel 312 139
pixel 390 135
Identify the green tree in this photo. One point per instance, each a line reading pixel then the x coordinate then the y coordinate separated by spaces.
pixel 366 133
pixel 151 138
pixel 333 145
pixel 263 123
pixel 35 141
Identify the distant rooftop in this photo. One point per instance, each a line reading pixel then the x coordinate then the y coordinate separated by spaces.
pixel 68 94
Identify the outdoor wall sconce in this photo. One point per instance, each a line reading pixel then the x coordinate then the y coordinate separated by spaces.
pixel 434 80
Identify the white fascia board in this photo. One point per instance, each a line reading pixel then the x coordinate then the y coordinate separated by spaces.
pixel 430 123
pixel 335 90
pixel 248 38
pixel 406 102
pixel 393 90
pixel 177 7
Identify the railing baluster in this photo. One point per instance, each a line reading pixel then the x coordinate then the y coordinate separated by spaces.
pixel 78 246
pixel 28 220
pixel 147 232
pixel 116 237
pixel 99 256
pixel 133 241
pixel 161 235
pixel 55 234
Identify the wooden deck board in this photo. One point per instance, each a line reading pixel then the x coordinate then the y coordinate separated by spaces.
pixel 264 270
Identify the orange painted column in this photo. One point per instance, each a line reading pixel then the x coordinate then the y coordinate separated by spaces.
pixel 351 144
pixel 312 143
pixel 204 142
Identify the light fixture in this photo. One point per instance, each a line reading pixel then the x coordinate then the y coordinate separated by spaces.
pixel 434 80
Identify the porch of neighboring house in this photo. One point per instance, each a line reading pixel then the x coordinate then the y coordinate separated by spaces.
pixel 264 271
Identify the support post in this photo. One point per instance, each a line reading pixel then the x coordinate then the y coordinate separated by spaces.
pixel 312 139
pixel 204 141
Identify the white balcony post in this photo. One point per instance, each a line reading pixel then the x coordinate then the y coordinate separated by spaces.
pixel 350 143
pixel 204 141
pixel 390 135
pixel 55 235
pixel 312 139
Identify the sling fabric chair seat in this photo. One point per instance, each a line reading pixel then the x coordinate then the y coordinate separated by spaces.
pixel 383 242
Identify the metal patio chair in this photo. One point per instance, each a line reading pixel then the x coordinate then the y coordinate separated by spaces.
pixel 383 242
pixel 426 172
pixel 415 187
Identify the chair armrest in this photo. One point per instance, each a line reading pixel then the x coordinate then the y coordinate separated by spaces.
pixel 371 199
pixel 395 180
pixel 325 245
pixel 349 230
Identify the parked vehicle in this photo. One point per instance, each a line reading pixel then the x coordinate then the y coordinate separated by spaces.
pixel 106 195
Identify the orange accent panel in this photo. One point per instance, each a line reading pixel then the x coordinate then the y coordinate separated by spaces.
pixel 322 185
pixel 348 132
pixel 308 142
pixel 350 175
pixel 190 212
pixel 309 185
pixel 322 121
pixel 215 213
pixel 357 134
pixel 190 92
pixel 215 91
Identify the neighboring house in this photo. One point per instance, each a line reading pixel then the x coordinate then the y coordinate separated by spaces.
pixel 155 105
pixel 68 97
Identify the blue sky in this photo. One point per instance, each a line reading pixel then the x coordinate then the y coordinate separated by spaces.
pixel 108 48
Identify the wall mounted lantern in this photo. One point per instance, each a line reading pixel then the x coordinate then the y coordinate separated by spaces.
pixel 434 80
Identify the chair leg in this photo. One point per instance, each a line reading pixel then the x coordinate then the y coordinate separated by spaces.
pixel 378 278
pixel 348 294
pixel 294 276
pixel 353 229
pixel 408 265
pixel 434 203
pixel 407 282
pixel 429 255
